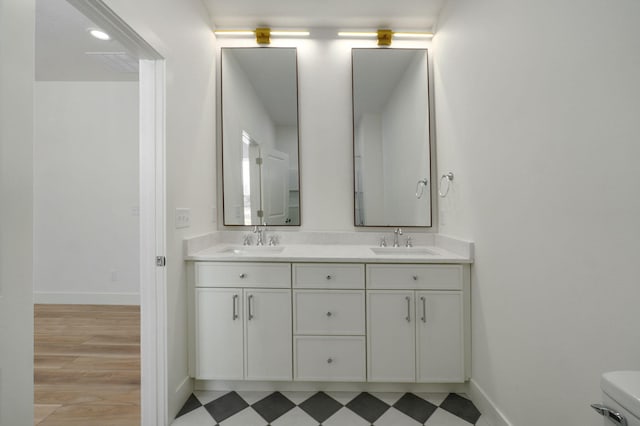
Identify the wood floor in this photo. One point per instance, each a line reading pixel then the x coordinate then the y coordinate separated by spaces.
pixel 87 365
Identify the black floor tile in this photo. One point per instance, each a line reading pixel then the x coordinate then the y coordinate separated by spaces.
pixel 226 406
pixel 320 406
pixel 273 406
pixel 461 407
pixel 191 404
pixel 368 407
pixel 415 407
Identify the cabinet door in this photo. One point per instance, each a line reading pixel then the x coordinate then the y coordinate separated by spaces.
pixel 268 351
pixel 219 341
pixel 439 336
pixel 391 336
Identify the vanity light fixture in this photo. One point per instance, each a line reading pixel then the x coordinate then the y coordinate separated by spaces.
pixel 262 34
pixel 99 34
pixel 385 36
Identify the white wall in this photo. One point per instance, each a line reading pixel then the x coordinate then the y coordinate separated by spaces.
pixel 86 193
pixel 537 116
pixel 180 31
pixel 17 21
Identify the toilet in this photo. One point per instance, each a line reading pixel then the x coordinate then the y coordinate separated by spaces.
pixel 620 398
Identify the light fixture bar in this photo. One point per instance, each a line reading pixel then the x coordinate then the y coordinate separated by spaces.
pixel 413 34
pixel 398 34
pixel 281 33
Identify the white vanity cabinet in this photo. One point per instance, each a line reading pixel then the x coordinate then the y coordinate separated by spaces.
pixel 243 321
pixel 329 322
pixel 416 323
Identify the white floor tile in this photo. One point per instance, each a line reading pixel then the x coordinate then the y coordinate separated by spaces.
pixel 246 417
pixel 434 398
pixel 198 417
pixel 343 397
pixel 394 417
pixel 254 396
pixel 345 417
pixel 388 397
pixel 206 397
pixel 294 417
pixel 483 421
pixel 299 397
pixel 444 418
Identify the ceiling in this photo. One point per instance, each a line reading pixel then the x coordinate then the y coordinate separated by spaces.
pixel 66 52
pixel 347 14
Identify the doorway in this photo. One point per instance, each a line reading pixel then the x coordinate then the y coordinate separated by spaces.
pixel 99 204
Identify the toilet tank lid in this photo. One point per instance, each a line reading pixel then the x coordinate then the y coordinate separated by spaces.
pixel 624 388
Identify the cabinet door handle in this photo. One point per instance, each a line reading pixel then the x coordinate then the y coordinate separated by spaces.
pixel 243 275
pixel 415 277
pixel 250 306
pixel 330 360
pixel 328 277
pixel 234 302
pixel 408 318
pixel 424 309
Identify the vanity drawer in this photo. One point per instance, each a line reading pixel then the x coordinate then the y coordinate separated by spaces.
pixel 422 277
pixel 333 312
pixel 337 359
pixel 328 275
pixel 241 274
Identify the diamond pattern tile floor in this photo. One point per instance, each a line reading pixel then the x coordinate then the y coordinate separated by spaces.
pixel 207 408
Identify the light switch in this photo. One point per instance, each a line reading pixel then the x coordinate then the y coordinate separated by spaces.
pixel 183 218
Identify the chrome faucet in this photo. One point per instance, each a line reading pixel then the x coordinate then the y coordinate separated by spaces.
pixel 260 231
pixel 397 232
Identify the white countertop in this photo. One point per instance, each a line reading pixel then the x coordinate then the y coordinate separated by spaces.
pixel 326 253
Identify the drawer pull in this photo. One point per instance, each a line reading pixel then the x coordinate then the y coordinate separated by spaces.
pixel 330 360
pixel 250 307
pixel 329 314
pixel 424 309
pixel 415 278
pixel 328 277
pixel 234 302
pixel 243 275
pixel 408 318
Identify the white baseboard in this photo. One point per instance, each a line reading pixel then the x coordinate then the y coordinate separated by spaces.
pixel 71 298
pixel 487 407
pixel 228 385
pixel 180 396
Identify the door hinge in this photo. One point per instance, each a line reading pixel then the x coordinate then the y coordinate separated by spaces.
pixel 260 213
pixel 259 161
pixel 161 261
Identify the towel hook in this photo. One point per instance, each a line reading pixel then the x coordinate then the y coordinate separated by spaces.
pixel 420 186
pixel 448 178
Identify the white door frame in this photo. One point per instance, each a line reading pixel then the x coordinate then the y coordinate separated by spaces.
pixel 153 279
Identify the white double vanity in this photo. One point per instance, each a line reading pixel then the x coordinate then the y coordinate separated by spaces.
pixel 328 311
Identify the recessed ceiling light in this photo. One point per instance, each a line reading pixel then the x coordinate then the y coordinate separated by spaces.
pixel 99 34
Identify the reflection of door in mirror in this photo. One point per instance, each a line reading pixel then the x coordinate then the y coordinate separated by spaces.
pixel 260 136
pixel 275 178
pixel 391 137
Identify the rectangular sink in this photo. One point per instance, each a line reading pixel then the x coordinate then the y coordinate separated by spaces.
pixel 403 251
pixel 252 251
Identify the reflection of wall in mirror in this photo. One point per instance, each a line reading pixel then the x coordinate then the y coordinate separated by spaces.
pixel 287 142
pixel 243 111
pixel 405 128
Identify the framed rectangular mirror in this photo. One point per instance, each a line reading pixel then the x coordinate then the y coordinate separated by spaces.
pixel 391 137
pixel 260 174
